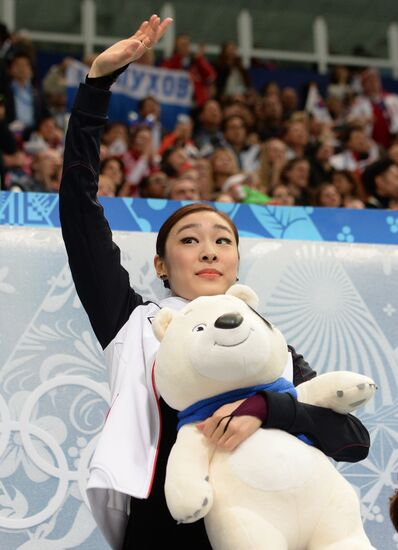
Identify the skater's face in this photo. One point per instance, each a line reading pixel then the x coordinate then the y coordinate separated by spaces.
pixel 201 256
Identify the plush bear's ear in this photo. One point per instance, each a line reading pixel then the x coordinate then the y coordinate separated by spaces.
pixel 245 293
pixel 161 322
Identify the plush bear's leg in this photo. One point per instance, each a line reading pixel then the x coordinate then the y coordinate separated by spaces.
pixel 340 526
pixel 240 529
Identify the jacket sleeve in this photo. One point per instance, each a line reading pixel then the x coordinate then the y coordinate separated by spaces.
pixel 101 282
pixel 340 436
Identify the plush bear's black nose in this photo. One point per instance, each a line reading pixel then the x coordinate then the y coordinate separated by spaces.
pixel 229 320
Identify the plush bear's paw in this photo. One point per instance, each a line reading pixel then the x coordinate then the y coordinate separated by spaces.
pixel 197 514
pixel 341 391
pixel 349 397
pixel 190 504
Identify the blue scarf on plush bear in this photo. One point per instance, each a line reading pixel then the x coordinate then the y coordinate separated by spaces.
pixel 206 407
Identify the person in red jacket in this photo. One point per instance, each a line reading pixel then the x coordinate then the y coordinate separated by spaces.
pixel 202 73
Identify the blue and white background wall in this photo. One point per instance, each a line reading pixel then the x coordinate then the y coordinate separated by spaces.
pixel 327 278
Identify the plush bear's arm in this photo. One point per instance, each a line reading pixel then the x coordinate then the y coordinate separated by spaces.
pixel 188 491
pixel 342 391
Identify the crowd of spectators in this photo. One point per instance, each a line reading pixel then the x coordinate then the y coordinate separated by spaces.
pixel 238 144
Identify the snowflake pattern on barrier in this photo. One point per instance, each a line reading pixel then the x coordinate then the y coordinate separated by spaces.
pixel 53 391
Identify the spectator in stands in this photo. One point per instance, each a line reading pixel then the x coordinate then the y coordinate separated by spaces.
pixel 10 45
pixel 192 171
pixel 46 174
pixel 233 187
pixel 296 176
pixel 326 194
pixel 290 101
pixel 296 138
pixel 242 188
pixel 149 111
pixel 113 168
pixel 320 130
pixel 359 152
pixel 54 88
pixel 106 186
pixel 340 82
pixel 205 181
pixel 201 72
pixel 208 135
pixel 140 157
pixel 47 136
pixel 175 161
pixel 349 187
pixel 272 162
pixel 271 88
pixel 269 113
pixel 321 169
pixel 239 107
pixel 232 78
pixel 257 189
pixel 181 136
pixel 377 108
pixel 235 135
pixel 14 166
pixel 336 109
pixel 154 186
pixel 224 165
pixel 21 43
pixel 381 184
pixel 116 138
pixel 280 194
pixel 183 189
pixel 23 102
pixel 249 98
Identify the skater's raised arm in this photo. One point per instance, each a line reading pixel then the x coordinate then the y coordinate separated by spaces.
pixel 101 282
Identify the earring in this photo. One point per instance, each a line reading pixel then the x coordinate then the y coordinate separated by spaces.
pixel 163 277
pixel 237 279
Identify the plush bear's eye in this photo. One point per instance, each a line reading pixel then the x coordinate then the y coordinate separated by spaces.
pixel 199 328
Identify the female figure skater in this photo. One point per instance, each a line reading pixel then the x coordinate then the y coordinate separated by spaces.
pixel 196 255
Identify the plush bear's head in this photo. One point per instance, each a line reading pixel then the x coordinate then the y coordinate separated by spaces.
pixel 213 345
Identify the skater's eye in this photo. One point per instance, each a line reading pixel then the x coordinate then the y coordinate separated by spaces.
pixel 199 328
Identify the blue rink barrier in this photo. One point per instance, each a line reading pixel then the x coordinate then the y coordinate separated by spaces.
pixel 333 269
pixel 273 222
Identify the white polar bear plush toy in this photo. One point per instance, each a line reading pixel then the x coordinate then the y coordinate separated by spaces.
pixel 274 491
